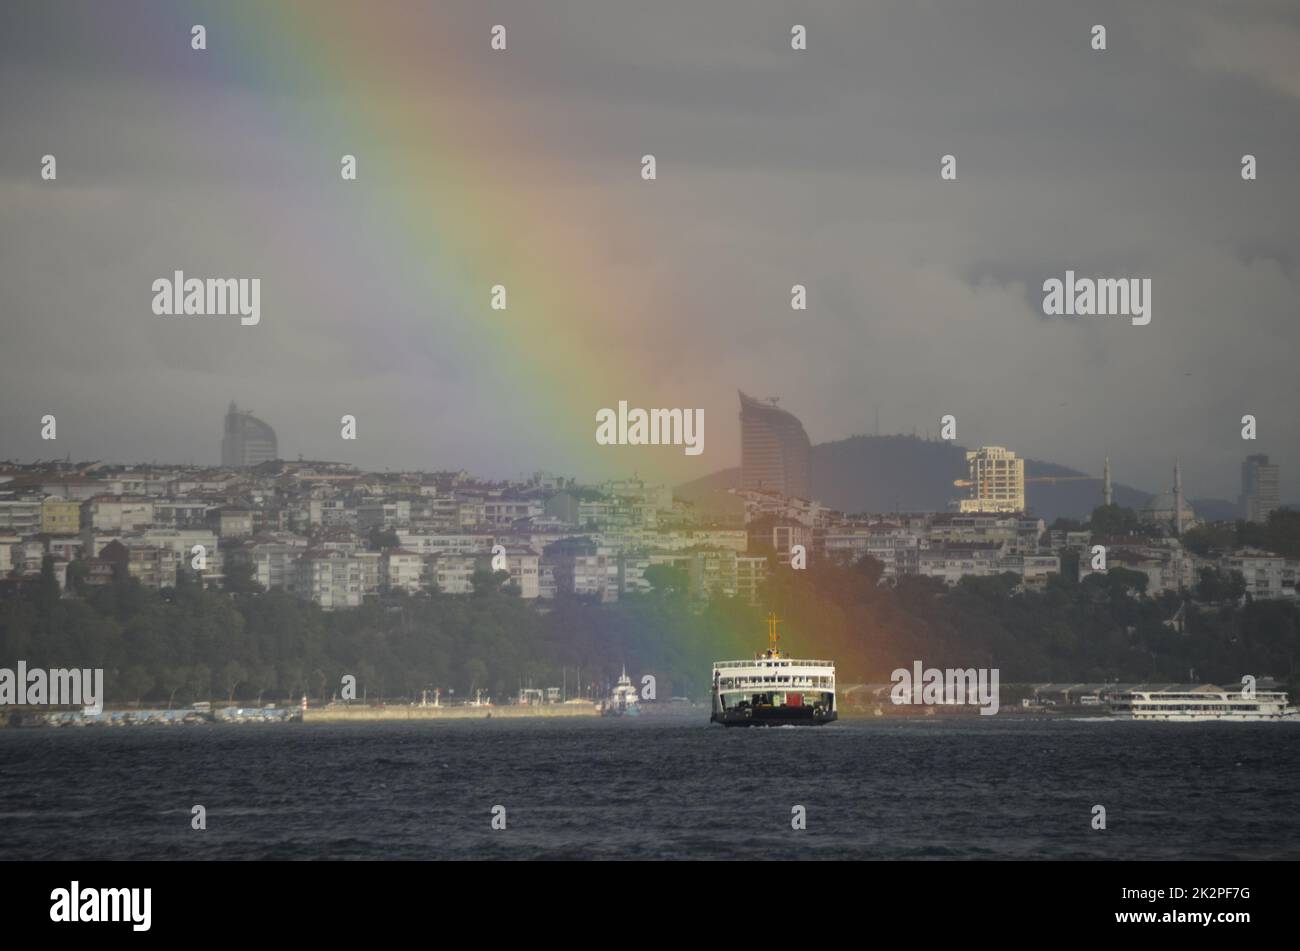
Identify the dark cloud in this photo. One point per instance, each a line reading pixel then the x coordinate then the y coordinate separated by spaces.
pixel 776 167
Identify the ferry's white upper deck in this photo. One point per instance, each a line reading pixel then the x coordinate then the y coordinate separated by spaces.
pixel 773 669
pixel 773 673
pixel 773 662
pixel 1202 696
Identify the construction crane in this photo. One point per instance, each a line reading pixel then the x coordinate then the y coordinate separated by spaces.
pixel 1050 480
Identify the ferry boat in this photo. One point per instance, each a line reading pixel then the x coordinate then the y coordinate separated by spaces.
pixel 1209 703
pixel 772 689
pixel 623 700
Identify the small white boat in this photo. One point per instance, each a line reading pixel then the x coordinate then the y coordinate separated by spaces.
pixel 623 700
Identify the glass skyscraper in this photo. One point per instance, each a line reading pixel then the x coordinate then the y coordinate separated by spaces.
pixel 775 454
pixel 247 440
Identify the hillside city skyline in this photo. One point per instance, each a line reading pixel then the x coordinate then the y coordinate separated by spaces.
pixel 243 425
pixel 337 534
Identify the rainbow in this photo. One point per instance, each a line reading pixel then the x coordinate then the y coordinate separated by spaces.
pixel 446 215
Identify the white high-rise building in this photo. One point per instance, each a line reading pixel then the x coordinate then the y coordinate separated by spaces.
pixel 1260 488
pixel 997 481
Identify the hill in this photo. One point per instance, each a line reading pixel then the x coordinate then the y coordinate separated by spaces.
pixel 885 473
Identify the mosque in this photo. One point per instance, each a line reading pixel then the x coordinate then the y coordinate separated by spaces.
pixel 1169 509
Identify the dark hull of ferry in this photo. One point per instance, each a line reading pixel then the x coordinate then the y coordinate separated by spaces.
pixel 773 716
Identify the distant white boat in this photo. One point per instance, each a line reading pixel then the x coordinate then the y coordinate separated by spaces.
pixel 1210 703
pixel 623 700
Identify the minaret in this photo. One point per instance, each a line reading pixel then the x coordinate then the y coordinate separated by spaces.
pixel 1105 492
pixel 1178 500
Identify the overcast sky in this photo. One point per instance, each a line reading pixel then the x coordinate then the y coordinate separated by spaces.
pixel 776 167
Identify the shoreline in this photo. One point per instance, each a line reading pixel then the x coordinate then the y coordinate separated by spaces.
pixel 386 714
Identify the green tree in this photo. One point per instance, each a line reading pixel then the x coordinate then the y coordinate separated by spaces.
pixel 666 579
pixel 869 570
pixel 200 682
pixel 172 680
pixel 366 675
pixel 136 681
pixel 381 538
pixel 232 675
pixel 293 678
pixel 239 575
pixel 476 674
pixel 1207 539
pixel 261 677
pixel 1217 587
pixel 77 572
pixel 47 591
pixel 488 583
pixel 1114 520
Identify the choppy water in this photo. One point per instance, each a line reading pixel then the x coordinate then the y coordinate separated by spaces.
pixel 654 788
